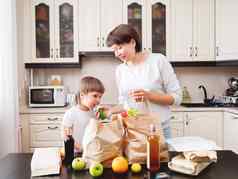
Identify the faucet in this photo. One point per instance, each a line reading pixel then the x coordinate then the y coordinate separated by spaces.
pixel 206 100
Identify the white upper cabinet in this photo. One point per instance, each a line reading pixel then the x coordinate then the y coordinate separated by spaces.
pixel 55 33
pixel 96 19
pixel 151 19
pixel 192 30
pixel 226 30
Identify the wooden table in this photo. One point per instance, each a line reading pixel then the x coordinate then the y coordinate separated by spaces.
pixel 17 166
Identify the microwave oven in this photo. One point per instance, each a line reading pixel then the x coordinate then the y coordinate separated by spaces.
pixel 47 96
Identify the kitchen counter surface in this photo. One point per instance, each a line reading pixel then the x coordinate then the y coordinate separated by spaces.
pixel 26 110
pixel 17 166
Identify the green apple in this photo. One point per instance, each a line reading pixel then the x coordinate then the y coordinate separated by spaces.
pixel 78 163
pixel 96 169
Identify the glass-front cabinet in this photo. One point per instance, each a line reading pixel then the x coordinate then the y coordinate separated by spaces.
pixel 55 31
pixel 151 20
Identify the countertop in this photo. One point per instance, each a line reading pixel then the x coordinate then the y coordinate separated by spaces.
pixel 17 166
pixel 26 110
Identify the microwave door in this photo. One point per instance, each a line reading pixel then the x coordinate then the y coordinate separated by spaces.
pixel 42 96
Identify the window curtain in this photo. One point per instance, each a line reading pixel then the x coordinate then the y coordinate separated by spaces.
pixel 9 115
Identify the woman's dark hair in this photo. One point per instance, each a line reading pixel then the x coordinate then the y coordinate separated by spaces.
pixel 123 34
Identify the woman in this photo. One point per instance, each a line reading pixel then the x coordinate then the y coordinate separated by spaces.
pixel 144 76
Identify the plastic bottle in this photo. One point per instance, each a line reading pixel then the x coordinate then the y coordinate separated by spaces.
pixel 186 96
pixel 153 150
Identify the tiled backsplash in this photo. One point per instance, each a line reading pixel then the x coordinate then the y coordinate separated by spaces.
pixel 213 78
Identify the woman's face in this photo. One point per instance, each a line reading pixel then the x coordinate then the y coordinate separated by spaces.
pixel 125 52
pixel 91 99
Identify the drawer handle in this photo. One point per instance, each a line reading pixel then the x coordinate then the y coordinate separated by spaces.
pixel 53 119
pixel 172 117
pixel 235 118
pixel 52 128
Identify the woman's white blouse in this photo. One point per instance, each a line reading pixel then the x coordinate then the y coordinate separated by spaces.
pixel 154 74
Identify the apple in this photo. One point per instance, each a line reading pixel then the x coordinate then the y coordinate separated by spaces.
pixel 78 163
pixel 96 169
pixel 124 114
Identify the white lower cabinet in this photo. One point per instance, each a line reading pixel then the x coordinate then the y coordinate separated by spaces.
pixel 41 130
pixel 230 131
pixel 206 124
pixel 177 124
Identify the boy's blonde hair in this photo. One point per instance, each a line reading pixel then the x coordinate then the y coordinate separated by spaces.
pixel 91 84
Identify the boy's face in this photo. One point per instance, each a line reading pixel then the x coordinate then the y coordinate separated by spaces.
pixel 91 99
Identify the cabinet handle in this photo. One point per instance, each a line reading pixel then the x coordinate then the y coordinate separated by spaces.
pixel 53 128
pixel 98 41
pixel 150 49
pixel 196 51
pixel 172 117
pixel 51 53
pixel 103 41
pixel 235 117
pixel 190 51
pixel 52 119
pixel 57 53
pixel 217 51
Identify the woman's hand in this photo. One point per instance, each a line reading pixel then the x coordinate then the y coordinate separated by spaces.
pixel 139 95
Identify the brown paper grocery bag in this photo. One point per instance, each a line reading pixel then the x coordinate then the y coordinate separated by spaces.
pixel 102 142
pixel 137 130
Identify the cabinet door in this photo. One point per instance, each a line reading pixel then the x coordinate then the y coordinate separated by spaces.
pixel 108 21
pixel 226 30
pixel 135 15
pixel 46 135
pixel 182 30
pixel 203 42
pixel 89 28
pixel 43 30
pixel 66 31
pixel 177 124
pixel 205 124
pixel 158 19
pixel 230 131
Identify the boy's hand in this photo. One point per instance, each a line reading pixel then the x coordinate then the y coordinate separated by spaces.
pixel 67 132
pixel 77 147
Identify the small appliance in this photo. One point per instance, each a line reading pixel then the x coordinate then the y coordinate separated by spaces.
pixel 47 96
pixel 233 87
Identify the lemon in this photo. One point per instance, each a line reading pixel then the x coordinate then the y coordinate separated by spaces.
pixel 136 168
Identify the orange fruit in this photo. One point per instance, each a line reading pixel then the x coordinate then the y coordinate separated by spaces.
pixel 119 165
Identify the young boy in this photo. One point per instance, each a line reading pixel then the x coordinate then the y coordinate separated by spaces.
pixel 76 118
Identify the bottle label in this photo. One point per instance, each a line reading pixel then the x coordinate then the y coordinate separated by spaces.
pixel 148 154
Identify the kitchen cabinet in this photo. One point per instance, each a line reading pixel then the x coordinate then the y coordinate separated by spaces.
pixel 96 20
pixel 41 130
pixel 192 30
pixel 54 31
pixel 230 131
pixel 177 124
pixel 205 124
pixel 208 125
pixel 226 30
pixel 151 19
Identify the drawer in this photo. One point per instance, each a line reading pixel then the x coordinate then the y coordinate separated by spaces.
pixel 46 118
pixel 46 135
